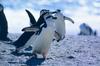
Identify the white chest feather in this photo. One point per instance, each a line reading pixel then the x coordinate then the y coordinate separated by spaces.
pixel 41 42
pixel 60 24
pixel 44 40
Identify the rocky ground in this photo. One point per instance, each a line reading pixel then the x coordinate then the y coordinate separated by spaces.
pixel 72 51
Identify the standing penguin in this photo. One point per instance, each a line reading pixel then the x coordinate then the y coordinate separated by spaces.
pixel 60 24
pixel 42 42
pixel 26 35
pixel 3 25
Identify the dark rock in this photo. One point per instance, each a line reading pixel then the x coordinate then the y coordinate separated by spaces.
pixel 70 57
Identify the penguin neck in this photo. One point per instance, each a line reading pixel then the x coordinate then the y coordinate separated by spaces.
pixel 50 22
pixel 40 20
pixel 59 16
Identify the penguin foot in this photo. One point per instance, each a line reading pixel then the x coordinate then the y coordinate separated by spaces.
pixel 45 54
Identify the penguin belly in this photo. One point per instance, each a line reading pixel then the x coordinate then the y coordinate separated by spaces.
pixel 60 28
pixel 43 41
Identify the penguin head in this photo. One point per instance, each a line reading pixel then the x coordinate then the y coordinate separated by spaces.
pixel 83 25
pixel 57 11
pixel 46 12
pixel 49 18
pixel 43 11
pixel 48 15
pixel 1 7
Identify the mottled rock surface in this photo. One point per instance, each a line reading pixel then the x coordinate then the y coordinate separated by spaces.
pixel 72 51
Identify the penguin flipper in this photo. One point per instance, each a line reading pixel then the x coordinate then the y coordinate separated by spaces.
pixel 31 17
pixel 30 29
pixel 67 18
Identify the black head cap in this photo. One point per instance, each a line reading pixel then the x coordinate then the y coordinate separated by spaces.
pixel 43 11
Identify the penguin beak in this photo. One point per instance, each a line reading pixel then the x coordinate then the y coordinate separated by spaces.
pixel 30 29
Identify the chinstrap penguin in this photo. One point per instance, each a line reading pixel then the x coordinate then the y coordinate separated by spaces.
pixel 41 43
pixel 26 35
pixel 60 25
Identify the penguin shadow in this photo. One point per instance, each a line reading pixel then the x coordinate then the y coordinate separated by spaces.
pixel 16 53
pixel 34 61
pixel 20 54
